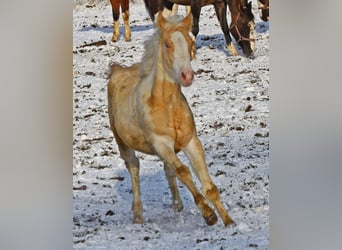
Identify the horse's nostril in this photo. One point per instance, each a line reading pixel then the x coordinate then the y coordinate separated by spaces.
pixel 183 76
pixel 187 75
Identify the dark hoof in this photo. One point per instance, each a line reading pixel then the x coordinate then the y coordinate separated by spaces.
pixel 211 219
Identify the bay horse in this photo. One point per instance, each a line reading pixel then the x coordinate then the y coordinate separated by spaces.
pixel 242 19
pixel 148 113
pixel 264 10
pixel 124 5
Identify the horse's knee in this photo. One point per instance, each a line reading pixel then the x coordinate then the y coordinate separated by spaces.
pixel 212 193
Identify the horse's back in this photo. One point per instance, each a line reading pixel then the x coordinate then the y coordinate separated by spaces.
pixel 122 80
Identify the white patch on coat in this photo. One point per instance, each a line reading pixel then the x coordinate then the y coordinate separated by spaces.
pixel 181 54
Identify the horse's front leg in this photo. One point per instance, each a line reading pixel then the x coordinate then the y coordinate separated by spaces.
pixel 195 10
pixel 164 148
pixel 221 13
pixel 116 22
pixel 194 151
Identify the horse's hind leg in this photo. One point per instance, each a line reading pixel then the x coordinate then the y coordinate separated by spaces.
pixel 177 203
pixel 194 151
pixel 125 16
pixel 132 165
pixel 116 22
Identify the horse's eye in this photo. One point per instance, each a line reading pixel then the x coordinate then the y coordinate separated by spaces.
pixel 167 44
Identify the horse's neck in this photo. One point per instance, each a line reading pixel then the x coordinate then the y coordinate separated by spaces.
pixel 164 88
pixel 155 78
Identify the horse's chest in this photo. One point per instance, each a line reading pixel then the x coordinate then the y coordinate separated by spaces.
pixel 175 122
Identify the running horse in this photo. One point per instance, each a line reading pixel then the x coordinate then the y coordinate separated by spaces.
pixel 264 9
pixel 148 113
pixel 242 19
pixel 124 5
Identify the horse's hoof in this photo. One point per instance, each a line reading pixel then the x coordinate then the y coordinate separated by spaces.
pixel 177 206
pixel 115 39
pixel 211 219
pixel 251 56
pixel 138 220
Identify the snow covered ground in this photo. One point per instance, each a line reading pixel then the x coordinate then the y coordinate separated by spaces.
pixel 229 99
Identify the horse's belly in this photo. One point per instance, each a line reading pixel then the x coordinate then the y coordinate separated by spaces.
pixel 133 136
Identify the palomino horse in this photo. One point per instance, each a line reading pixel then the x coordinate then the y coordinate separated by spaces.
pixel 242 19
pixel 124 4
pixel 264 9
pixel 149 113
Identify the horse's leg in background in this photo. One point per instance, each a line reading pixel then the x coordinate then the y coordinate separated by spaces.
pixel 164 149
pixel 195 10
pixel 221 13
pixel 194 151
pixel 174 10
pixel 187 10
pixel 116 23
pixel 168 8
pixel 177 203
pixel 125 16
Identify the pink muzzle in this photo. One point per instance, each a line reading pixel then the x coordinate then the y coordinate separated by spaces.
pixel 187 76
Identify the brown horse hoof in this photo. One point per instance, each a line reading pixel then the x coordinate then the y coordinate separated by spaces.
pixel 211 219
pixel 115 39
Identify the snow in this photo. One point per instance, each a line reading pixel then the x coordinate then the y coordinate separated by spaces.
pixel 236 142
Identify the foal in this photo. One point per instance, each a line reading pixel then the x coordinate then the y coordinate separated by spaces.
pixel 149 113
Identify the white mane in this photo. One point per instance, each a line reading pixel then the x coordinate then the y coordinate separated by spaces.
pixel 151 47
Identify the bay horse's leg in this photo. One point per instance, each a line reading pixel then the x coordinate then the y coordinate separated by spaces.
pixel 221 13
pixel 125 16
pixel 116 23
pixel 168 8
pixel 164 148
pixel 174 10
pixel 177 203
pixel 132 165
pixel 196 12
pixel 194 151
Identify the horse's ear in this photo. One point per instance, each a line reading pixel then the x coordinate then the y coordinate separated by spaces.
pixel 187 21
pixel 161 21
